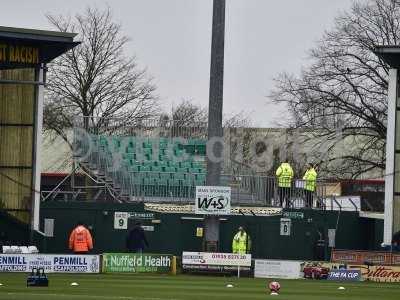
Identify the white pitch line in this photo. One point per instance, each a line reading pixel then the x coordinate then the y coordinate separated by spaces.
pixel 90 296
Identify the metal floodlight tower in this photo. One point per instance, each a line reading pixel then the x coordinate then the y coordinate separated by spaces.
pixel 215 131
pixel 391 55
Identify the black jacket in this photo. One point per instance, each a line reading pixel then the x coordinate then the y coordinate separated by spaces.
pixel 136 239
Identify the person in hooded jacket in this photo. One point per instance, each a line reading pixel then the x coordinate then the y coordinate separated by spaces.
pixel 80 239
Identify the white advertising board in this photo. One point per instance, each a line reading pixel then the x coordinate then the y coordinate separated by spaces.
pixel 51 263
pixel 213 200
pixel 216 259
pixel 264 268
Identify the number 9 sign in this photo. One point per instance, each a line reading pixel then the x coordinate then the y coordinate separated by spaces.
pixel 121 220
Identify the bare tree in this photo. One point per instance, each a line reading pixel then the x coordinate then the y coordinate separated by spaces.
pixel 95 82
pixel 342 94
pixel 187 113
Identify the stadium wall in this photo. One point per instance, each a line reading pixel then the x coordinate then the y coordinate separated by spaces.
pixel 174 233
pixel 12 230
pixel 17 119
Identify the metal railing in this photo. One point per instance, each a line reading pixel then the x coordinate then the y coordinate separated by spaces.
pixel 165 186
pixel 142 127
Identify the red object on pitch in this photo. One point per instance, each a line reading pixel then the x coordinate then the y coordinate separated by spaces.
pixel 274 286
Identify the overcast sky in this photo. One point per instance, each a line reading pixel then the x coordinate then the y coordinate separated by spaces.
pixel 172 38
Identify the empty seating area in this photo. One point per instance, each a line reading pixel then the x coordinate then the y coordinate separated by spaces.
pixel 153 167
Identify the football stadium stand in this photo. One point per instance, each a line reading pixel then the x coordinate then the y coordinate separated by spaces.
pixel 150 167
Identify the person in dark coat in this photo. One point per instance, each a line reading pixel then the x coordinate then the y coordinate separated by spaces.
pixel 136 240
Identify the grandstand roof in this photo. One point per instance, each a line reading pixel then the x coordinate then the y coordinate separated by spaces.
pixel 51 44
pixel 189 209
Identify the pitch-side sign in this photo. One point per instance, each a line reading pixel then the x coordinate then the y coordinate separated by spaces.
pixel 216 259
pixel 213 200
pixel 264 268
pixel 136 263
pixel 51 263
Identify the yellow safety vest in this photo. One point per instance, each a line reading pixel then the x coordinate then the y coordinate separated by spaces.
pixel 285 175
pixel 241 243
pixel 310 178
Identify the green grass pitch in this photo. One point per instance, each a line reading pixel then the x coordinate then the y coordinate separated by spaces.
pixel 182 287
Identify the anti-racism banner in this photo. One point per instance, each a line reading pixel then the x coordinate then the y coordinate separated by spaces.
pixel 136 263
pixel 216 259
pixel 213 200
pixel 345 275
pixel 51 263
pixel 264 268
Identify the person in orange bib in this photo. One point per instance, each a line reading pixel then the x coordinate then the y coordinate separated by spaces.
pixel 80 239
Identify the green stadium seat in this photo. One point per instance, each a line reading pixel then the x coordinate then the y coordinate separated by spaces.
pixel 190 146
pixel 130 149
pixel 145 168
pixel 186 164
pixel 147 144
pixel 156 169
pixel 129 156
pixel 162 157
pixel 181 170
pixel 197 164
pixel 132 162
pixel 148 163
pixel 179 152
pixel 170 169
pixel 134 168
pixel 200 147
pixel 162 165
pixel 174 164
pixel 195 171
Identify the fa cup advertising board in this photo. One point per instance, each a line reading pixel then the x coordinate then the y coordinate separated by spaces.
pixel 213 200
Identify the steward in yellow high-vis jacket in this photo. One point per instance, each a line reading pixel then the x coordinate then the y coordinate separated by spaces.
pixel 310 182
pixel 284 175
pixel 241 243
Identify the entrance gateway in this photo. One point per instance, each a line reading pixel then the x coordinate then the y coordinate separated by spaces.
pixel 24 54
